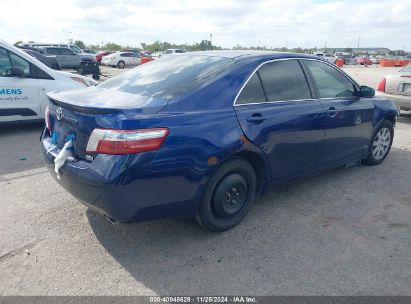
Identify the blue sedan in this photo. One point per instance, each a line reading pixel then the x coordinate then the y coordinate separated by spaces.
pixel 203 134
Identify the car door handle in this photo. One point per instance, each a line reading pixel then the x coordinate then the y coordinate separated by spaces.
pixel 255 118
pixel 332 111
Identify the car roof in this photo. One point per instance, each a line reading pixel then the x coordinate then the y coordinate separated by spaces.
pixel 249 54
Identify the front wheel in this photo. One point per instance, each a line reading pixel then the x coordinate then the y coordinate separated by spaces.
pixel 380 144
pixel 228 196
pixel 121 64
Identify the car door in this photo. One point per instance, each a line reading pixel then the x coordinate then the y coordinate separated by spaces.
pixel 125 57
pixel 19 96
pixel 277 112
pixel 71 59
pixel 348 118
pixel 55 51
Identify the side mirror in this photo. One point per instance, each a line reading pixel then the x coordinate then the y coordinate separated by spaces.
pixel 366 92
pixel 16 72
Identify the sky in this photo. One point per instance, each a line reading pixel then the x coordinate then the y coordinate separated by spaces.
pixel 273 23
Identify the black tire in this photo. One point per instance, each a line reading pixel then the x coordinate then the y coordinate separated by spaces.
pixel 96 76
pixel 372 159
pixel 121 64
pixel 228 196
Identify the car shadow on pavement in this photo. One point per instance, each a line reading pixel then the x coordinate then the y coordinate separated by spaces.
pixel 20 147
pixel 325 234
pixel 405 117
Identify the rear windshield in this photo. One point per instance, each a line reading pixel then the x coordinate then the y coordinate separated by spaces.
pixel 170 76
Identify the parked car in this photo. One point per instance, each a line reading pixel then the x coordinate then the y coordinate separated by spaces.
pixel 398 88
pixel 173 51
pixel 38 46
pixel 203 134
pixel 330 58
pixel 101 54
pixel 339 54
pixel 374 60
pixel 364 60
pixel 124 59
pixel 50 61
pixel 348 59
pixel 89 51
pixel 66 57
pixel 25 81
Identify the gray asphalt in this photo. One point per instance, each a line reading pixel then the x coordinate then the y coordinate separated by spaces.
pixel 345 232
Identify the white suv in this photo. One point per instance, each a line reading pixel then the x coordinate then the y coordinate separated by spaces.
pixel 122 59
pixel 330 58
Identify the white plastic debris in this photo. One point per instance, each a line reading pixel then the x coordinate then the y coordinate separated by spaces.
pixel 64 154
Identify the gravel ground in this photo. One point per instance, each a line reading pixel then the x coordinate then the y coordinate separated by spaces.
pixel 345 232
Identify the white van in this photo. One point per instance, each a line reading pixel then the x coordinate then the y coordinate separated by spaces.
pixel 25 81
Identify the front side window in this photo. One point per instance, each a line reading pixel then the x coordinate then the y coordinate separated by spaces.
pixel 284 80
pixel 75 49
pixel 64 51
pixel 5 63
pixel 330 82
pixel 53 51
pixel 252 92
pixel 9 60
pixel 19 62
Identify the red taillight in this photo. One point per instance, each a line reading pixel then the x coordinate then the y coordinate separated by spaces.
pixel 381 85
pixel 47 119
pixel 108 141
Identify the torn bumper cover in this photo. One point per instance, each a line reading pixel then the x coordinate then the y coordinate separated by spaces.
pixel 119 186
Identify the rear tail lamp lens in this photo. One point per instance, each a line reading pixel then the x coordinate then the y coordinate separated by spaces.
pixel 381 85
pixel 107 141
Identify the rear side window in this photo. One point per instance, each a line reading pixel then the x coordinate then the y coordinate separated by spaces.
pixel 252 92
pixel 284 80
pixel 169 76
pixel 330 82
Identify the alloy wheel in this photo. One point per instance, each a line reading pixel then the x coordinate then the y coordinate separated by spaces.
pixel 381 143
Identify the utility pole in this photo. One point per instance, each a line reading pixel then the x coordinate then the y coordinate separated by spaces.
pixel 211 36
pixel 67 35
pixel 358 45
pixel 325 47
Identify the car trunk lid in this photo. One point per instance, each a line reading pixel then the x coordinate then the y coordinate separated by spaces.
pixel 75 114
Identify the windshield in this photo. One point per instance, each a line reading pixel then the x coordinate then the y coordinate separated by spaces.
pixel 170 76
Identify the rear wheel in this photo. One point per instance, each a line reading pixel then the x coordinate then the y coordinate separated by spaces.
pixel 228 196
pixel 121 64
pixel 380 144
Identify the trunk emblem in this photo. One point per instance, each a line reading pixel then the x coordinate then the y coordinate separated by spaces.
pixel 59 113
